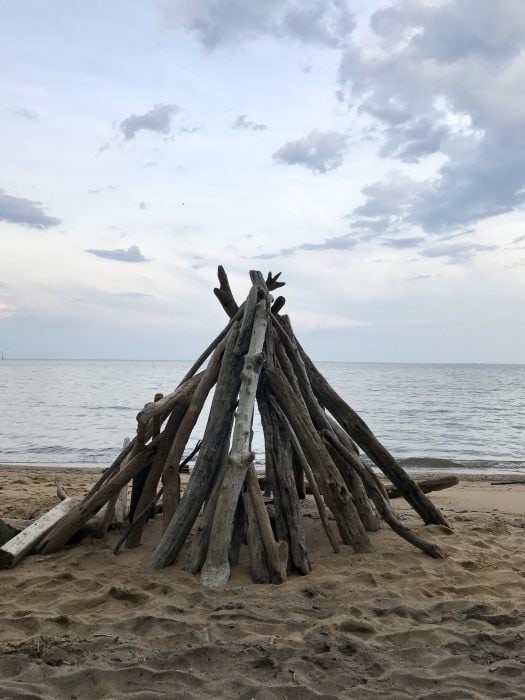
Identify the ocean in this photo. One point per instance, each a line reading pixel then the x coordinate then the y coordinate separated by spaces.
pixel 432 417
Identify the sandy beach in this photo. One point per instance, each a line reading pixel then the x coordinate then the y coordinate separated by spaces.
pixel 84 623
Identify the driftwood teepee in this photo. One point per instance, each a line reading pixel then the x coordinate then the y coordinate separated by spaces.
pixel 310 433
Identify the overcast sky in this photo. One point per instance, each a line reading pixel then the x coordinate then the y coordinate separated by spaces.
pixel 374 152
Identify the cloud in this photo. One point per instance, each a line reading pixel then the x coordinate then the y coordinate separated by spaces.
pixel 157 120
pixel 243 123
pixel 102 189
pixel 402 242
pixel 346 242
pixel 229 22
pixel 143 205
pixel 134 295
pixel 132 254
pixel 24 113
pixel 447 78
pixel 319 151
pixel 26 212
pixel 456 252
pixel 190 129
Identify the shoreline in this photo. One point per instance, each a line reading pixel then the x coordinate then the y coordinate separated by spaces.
pixel 466 474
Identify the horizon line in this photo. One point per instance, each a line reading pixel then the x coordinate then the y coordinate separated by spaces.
pixel 348 362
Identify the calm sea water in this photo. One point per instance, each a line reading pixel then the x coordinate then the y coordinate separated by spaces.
pixel 461 417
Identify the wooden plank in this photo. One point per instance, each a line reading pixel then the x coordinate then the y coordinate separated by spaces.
pixel 21 545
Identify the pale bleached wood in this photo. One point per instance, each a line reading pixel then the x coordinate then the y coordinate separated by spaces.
pixel 121 503
pixel 22 544
pixel 110 509
pixel 216 569
pixel 216 433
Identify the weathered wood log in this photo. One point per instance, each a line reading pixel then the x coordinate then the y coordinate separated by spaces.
pixel 273 283
pixel 139 481
pixel 179 408
pixel 437 483
pixel 342 455
pixel 217 431
pixel 121 503
pixel 170 476
pixel 68 525
pixel 143 433
pixel 109 515
pixel 216 569
pixel 154 506
pixel 278 460
pixel 367 514
pixel 238 534
pixel 330 482
pixel 224 293
pixel 158 409
pixel 314 488
pixel 137 487
pixel 259 566
pixel 15 549
pixel 276 552
pixel 278 305
pixel 343 436
pixel 363 436
pixel 61 493
pixel 201 538
pixel 114 466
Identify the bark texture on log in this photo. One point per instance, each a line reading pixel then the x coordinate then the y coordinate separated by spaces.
pixel 185 393
pixel 170 478
pixel 305 467
pixel 278 448
pixel 217 431
pixel 341 455
pixel 216 569
pixel 320 420
pixel 330 482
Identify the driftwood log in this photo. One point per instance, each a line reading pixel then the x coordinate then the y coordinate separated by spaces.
pixel 311 435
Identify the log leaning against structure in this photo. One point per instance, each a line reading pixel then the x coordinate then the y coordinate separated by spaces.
pixel 309 431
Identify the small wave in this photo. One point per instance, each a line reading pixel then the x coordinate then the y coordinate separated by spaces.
pixel 462 465
pixel 110 408
pixel 62 449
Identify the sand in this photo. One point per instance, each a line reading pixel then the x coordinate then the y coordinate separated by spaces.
pixel 83 623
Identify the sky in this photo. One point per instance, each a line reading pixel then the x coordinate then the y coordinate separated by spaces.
pixel 372 151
